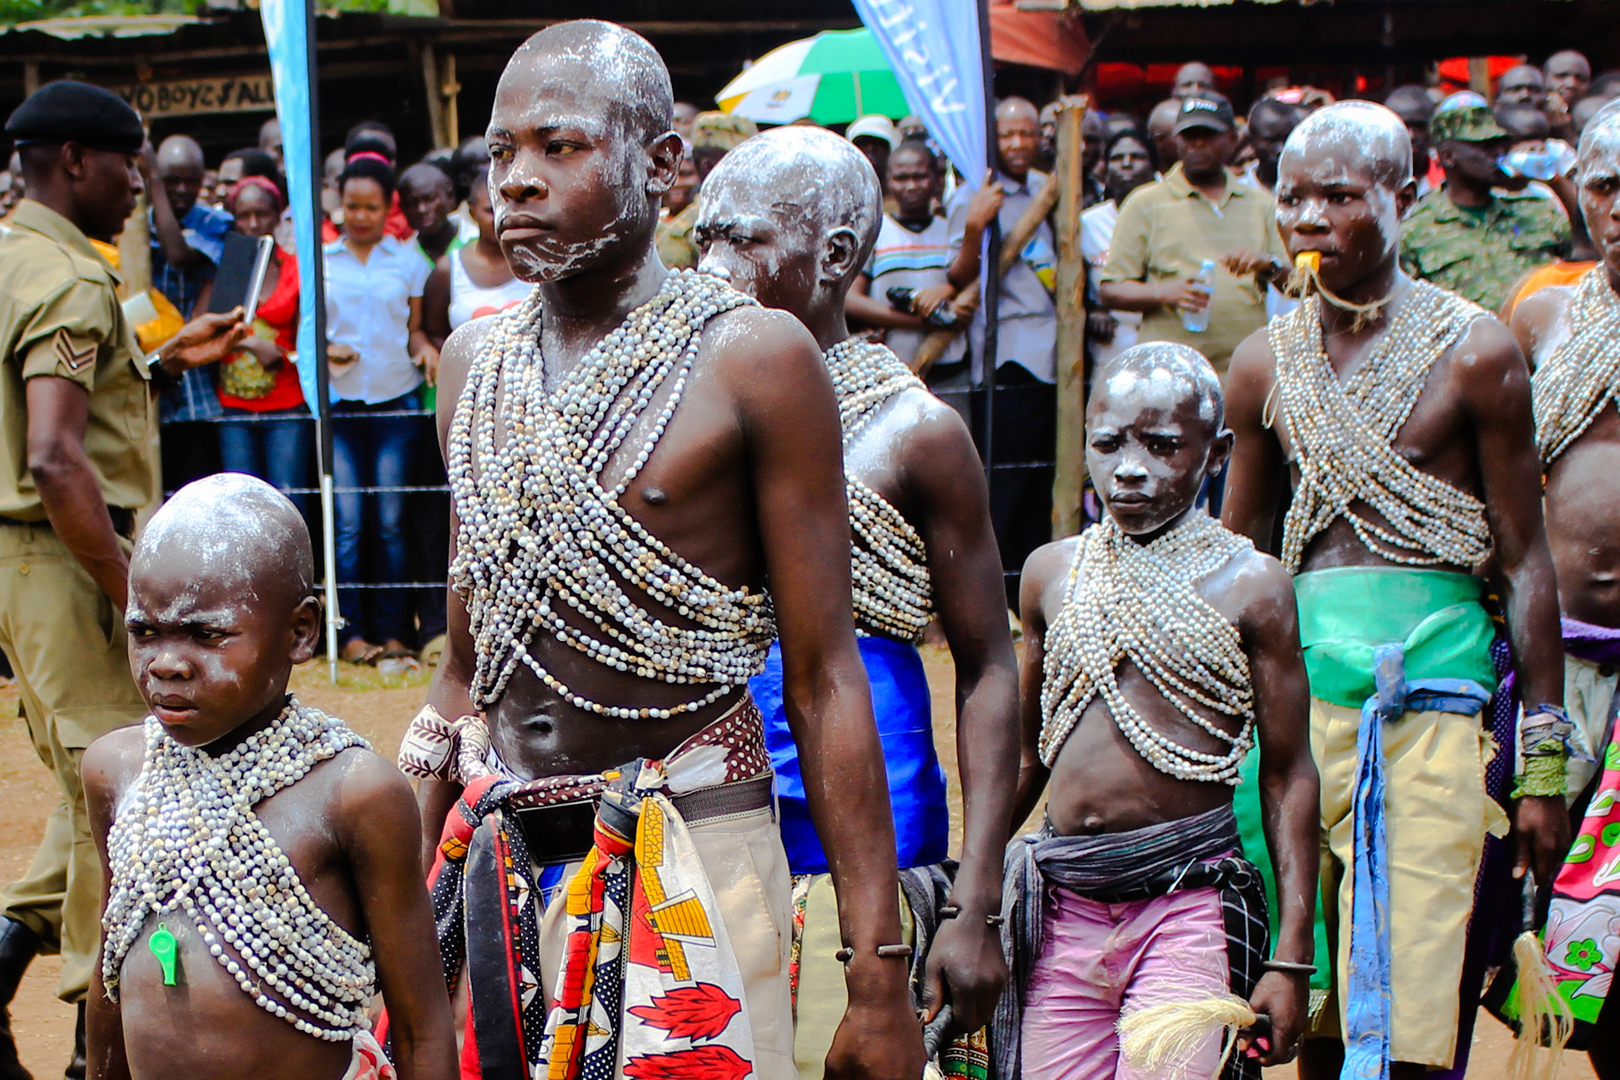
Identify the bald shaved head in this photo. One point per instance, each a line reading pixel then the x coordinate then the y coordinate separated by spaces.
pixel 1354 134
pixel 233 530
pixel 619 64
pixel 179 150
pixel 811 174
pixel 1193 79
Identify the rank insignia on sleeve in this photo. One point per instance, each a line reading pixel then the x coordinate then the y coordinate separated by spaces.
pixel 73 358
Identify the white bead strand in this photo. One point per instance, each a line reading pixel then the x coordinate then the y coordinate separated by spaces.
pixel 1343 434
pixel 1140 602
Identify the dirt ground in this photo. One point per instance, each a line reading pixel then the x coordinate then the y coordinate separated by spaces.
pixel 380 709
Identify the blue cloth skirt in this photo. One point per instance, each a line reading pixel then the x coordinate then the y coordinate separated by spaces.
pixel 905 724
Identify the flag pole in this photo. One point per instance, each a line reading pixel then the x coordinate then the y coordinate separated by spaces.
pixel 990 258
pixel 314 289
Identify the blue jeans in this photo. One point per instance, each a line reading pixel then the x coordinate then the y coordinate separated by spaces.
pixel 372 453
pixel 276 451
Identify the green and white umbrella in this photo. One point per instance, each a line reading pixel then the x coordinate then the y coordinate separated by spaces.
pixel 833 78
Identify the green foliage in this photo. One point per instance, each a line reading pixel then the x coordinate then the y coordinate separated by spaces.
pixel 17 11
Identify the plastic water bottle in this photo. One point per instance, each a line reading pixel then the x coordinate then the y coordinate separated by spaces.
pixel 1198 321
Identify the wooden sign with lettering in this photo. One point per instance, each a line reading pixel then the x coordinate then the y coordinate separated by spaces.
pixel 189 96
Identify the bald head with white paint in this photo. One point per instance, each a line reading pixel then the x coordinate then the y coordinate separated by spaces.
pixel 235 529
pixel 581 149
pixel 790 217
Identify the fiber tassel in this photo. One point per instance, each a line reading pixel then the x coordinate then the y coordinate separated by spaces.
pixel 1545 1020
pixel 1166 1036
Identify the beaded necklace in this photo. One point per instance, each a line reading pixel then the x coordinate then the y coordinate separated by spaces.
pixel 539 532
pixel 1582 376
pixel 1343 433
pixel 1127 600
pixel 892 590
pixel 186 839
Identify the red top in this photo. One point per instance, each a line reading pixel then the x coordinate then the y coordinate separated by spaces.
pixel 277 314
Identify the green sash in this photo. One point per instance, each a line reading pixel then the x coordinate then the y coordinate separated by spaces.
pixel 1346 611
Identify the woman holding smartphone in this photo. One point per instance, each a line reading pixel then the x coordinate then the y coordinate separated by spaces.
pixel 379 358
pixel 261 380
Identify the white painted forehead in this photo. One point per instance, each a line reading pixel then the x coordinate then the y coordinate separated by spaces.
pixel 1361 131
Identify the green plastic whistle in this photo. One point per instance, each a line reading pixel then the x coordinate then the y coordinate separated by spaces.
pixel 162 945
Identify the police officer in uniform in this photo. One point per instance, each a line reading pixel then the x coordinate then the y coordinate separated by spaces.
pixel 77 459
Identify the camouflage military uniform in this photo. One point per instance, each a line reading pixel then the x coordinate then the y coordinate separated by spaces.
pixel 1480 252
pixel 1481 255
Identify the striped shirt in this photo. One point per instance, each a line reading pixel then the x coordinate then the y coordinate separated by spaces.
pixel 908 259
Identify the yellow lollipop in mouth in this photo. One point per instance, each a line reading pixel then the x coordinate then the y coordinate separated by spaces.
pixel 1309 260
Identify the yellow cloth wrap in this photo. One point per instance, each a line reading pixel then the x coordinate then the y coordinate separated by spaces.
pixel 1437 813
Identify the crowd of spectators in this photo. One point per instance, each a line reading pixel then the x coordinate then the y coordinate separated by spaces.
pixel 411 254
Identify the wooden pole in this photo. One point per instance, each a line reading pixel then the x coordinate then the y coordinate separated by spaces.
pixel 1070 472
pixel 451 89
pixel 435 94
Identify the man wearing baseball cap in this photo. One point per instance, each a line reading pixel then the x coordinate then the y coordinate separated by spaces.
pixel 77 460
pixel 1481 230
pixel 876 137
pixel 1199 211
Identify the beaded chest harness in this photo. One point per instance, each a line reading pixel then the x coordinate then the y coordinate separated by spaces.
pixel 1582 376
pixel 186 839
pixel 892 590
pixel 1127 600
pixel 1343 433
pixel 539 531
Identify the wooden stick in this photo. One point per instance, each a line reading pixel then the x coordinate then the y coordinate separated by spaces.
pixel 1069 475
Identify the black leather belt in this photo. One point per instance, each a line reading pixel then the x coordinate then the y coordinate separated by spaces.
pixel 123 522
pixel 563 832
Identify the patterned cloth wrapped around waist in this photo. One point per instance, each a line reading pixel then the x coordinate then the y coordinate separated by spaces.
pixel 1346 612
pixel 488 904
pixel 1202 851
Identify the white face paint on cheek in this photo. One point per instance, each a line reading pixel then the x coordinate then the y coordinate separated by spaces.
pixel 1388 214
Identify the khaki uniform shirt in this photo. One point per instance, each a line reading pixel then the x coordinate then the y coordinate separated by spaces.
pixel 60 315
pixel 1480 256
pixel 1166 230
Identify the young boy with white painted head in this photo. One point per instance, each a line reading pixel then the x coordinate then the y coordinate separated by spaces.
pixel 1158 648
pixel 260 876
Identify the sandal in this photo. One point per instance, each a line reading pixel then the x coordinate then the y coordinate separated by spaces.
pixel 365 655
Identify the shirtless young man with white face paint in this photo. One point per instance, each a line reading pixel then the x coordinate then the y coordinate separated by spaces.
pixel 1403 414
pixel 633 454
pixel 1571 334
pixel 790 217
pixel 1159 648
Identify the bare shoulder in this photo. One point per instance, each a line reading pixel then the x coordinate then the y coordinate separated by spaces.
pixel 1253 367
pixel 456 359
pixel 112 762
pixel 1536 318
pixel 754 344
pixel 936 437
pixel 368 781
pixel 1264 590
pixel 1489 367
pixel 1046 566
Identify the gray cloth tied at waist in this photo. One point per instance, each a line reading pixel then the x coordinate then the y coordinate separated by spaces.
pixel 1196 852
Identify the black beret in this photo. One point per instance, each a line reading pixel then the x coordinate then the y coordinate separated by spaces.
pixel 68 111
